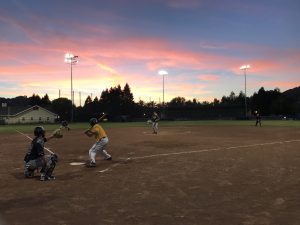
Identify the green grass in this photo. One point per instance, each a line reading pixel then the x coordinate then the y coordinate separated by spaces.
pixel 51 127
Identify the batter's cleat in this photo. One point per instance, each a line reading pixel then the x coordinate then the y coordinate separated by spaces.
pixel 29 174
pixel 46 178
pixel 109 158
pixel 50 177
pixel 43 178
pixel 91 164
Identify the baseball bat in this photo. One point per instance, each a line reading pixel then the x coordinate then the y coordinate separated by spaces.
pixel 31 140
pixel 102 116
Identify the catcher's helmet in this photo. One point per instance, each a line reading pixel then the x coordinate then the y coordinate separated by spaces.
pixel 93 121
pixel 39 131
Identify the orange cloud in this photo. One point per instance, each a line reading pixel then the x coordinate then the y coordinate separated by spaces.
pixel 106 68
pixel 135 60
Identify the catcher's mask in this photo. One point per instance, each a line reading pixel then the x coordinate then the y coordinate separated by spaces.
pixel 93 121
pixel 39 131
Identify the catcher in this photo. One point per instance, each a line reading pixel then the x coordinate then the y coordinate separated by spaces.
pixel 98 132
pixel 36 158
pixel 155 118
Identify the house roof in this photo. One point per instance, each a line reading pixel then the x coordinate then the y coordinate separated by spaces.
pixel 16 110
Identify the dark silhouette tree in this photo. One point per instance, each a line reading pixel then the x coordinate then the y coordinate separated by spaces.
pixel 177 102
pixel 127 103
pixel 34 100
pixel 45 101
pixel 62 107
pixel 88 100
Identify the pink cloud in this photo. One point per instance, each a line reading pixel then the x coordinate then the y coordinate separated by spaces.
pixel 132 59
pixel 209 77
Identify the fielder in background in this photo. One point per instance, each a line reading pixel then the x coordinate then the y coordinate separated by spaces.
pixel 155 118
pixel 65 125
pixel 98 132
pixel 258 119
pixel 36 158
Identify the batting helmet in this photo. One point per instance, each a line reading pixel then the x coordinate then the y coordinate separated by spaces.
pixel 39 131
pixel 93 121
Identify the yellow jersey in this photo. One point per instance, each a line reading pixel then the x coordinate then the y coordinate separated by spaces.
pixel 99 132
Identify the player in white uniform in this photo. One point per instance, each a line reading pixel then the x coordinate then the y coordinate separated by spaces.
pixel 155 118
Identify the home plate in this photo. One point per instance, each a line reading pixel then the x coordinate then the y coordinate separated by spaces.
pixel 77 163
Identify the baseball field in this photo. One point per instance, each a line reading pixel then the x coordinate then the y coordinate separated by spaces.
pixel 191 173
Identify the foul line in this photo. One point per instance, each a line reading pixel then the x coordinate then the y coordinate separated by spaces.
pixel 213 149
pixel 31 140
pixel 198 151
pixel 114 165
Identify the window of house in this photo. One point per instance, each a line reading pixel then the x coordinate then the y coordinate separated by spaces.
pixel 31 118
pixel 40 118
pixel 23 118
pixel 48 118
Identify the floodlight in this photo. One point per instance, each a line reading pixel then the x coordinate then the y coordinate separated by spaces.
pixel 70 58
pixel 162 72
pixel 245 68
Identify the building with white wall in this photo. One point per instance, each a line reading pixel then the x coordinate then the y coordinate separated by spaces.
pixel 27 115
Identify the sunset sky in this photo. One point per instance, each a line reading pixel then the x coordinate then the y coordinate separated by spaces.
pixel 201 43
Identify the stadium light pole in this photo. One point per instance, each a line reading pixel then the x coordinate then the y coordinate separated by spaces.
pixel 245 68
pixel 72 59
pixel 163 73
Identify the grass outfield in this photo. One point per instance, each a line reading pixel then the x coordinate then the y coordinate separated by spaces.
pixel 29 128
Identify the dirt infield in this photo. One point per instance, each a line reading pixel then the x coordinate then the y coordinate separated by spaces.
pixel 209 175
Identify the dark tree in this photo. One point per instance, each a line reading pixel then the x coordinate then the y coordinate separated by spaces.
pixel 34 100
pixel 45 101
pixel 62 107
pixel 177 102
pixel 127 103
pixel 87 101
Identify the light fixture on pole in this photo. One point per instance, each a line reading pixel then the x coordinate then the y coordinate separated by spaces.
pixel 163 73
pixel 245 68
pixel 70 58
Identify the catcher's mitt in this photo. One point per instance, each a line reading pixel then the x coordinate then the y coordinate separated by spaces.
pixel 57 133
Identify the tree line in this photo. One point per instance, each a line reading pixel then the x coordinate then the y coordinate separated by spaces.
pixel 119 105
